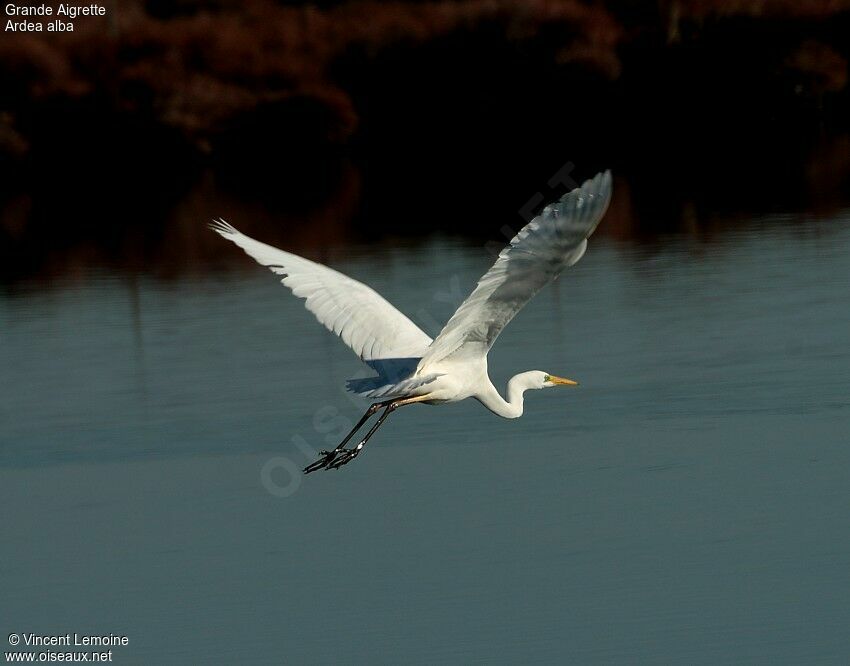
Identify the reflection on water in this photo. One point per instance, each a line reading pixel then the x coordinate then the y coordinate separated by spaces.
pixel 122 366
pixel 687 503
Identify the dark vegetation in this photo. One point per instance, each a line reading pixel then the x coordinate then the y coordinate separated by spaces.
pixel 331 119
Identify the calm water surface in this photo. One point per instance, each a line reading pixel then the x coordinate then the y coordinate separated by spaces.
pixel 688 503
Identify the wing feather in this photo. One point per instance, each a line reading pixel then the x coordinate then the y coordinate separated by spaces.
pixel 361 317
pixel 553 240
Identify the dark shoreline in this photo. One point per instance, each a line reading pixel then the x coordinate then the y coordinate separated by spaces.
pixel 419 117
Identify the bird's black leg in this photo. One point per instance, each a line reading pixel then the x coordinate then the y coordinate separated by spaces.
pixel 347 455
pixel 328 456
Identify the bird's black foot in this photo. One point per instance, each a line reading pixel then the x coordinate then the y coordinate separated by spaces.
pixel 345 456
pixel 323 462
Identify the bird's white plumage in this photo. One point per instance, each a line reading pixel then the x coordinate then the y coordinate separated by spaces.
pixel 410 366
pixel 453 366
pixel 553 240
pixel 361 317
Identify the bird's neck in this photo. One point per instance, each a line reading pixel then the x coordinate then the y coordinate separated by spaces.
pixel 512 407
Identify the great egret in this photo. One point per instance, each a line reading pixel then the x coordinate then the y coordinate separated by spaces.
pixel 410 367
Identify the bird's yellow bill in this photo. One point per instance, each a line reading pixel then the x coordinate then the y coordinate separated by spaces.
pixel 562 380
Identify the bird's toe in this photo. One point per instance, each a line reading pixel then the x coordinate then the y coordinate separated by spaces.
pixel 323 462
pixel 346 456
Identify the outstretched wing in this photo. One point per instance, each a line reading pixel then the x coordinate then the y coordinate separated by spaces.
pixel 553 240
pixel 364 320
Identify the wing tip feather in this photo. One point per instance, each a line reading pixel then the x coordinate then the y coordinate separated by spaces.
pixel 223 228
pixel 601 183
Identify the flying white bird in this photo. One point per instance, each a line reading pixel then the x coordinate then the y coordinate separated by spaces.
pixel 410 367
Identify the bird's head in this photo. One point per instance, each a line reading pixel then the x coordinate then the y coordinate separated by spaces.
pixel 546 380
